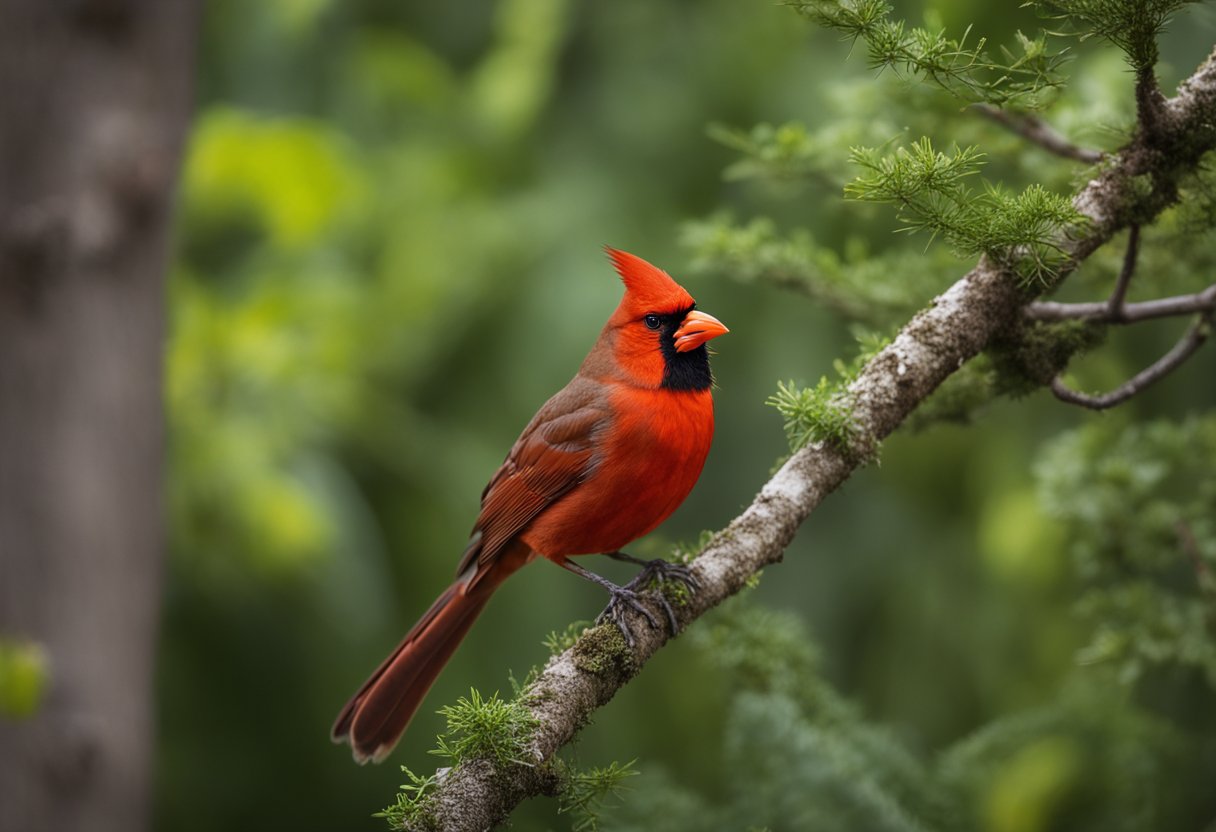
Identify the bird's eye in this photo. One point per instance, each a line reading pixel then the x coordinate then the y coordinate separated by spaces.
pixel 652 321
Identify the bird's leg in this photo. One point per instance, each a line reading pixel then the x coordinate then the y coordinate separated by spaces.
pixel 622 597
pixel 664 570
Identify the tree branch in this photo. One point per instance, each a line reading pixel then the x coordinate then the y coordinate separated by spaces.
pixel 1035 130
pixel 1186 346
pixel 935 343
pixel 1099 312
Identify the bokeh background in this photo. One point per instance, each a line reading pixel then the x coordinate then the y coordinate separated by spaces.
pixel 388 256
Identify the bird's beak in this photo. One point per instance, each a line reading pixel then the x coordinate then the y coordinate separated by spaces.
pixel 696 329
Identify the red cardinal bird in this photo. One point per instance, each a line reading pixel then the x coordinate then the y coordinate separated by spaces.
pixel 604 462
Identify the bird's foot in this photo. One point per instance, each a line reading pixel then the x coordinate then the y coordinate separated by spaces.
pixel 623 599
pixel 661 571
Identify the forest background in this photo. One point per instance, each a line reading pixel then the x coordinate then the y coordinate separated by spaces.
pixel 387 255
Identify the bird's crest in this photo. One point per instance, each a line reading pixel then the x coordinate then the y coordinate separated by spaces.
pixel 647 288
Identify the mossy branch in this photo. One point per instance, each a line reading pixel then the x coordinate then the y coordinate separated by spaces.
pixel 480 792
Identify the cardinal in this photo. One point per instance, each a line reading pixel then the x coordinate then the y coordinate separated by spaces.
pixel 602 463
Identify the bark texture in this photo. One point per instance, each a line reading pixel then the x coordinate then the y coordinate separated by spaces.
pixel 95 97
pixel 957 325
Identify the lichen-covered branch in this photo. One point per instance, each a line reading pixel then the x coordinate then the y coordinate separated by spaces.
pixel 955 326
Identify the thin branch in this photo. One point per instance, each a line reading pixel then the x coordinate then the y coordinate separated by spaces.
pixel 1118 297
pixel 478 794
pixel 1099 312
pixel 1190 546
pixel 1037 131
pixel 1186 346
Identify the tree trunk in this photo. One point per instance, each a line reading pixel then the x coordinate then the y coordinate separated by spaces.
pixel 95 97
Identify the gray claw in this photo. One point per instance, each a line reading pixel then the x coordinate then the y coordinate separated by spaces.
pixel 626 597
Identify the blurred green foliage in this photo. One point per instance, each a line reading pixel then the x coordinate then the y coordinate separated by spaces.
pixel 24 673
pixel 1139 503
pixel 802 757
pixel 388 257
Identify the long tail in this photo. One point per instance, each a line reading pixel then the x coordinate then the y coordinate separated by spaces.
pixel 377 715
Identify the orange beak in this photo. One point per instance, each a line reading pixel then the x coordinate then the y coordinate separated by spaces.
pixel 696 329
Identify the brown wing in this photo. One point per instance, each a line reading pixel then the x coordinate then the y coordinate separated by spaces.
pixel 555 452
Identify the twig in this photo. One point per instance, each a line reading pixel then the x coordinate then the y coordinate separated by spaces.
pixel 1099 312
pixel 1034 129
pixel 1186 538
pixel 1116 311
pixel 1191 341
pixel 1119 295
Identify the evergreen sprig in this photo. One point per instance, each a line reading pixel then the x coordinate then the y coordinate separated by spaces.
pixel 1021 78
pixel 1021 231
pixel 585 791
pixel 411 809
pixel 478 727
pixel 1132 25
pixel 822 413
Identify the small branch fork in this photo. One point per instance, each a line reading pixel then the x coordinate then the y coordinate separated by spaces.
pixel 1116 310
pixel 1035 130
pixel 1191 341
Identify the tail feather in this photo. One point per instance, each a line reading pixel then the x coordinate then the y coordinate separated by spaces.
pixel 377 715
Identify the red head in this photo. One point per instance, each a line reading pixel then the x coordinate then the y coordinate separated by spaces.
pixel 647 288
pixel 658 336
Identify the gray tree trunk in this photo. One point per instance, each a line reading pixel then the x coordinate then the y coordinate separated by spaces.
pixel 95 97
